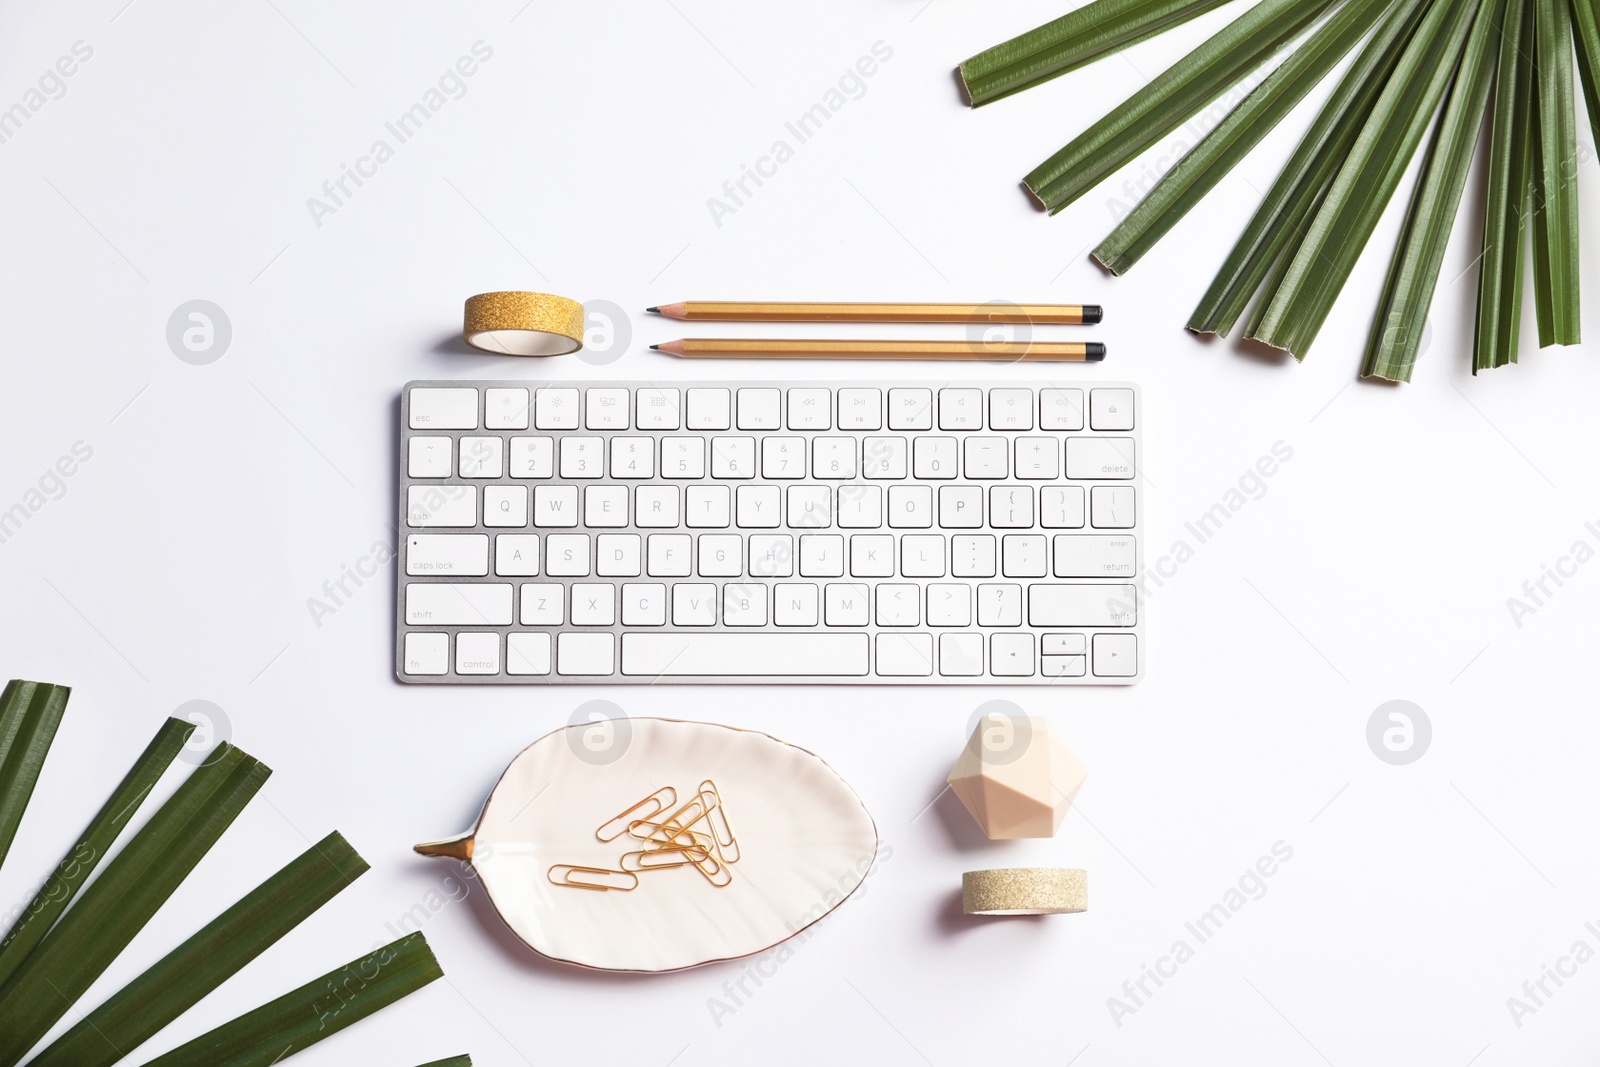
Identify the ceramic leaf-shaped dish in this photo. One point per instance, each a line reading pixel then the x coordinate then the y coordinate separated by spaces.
pixel 767 840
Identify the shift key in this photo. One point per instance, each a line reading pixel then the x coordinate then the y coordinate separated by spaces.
pixel 1082 605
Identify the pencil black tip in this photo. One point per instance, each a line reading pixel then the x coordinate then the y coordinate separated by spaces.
pixel 656 347
pixel 657 311
pixel 1094 352
pixel 1092 313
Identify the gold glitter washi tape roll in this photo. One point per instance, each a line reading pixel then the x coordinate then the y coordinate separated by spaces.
pixel 523 324
pixel 1025 891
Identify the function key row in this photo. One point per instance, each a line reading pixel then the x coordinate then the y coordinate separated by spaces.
pixel 763 408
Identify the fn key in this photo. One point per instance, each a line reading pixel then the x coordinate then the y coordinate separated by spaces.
pixel 1116 655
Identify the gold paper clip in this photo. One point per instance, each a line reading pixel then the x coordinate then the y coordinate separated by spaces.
pixel 692 812
pixel 593 878
pixel 662 836
pixel 716 872
pixel 662 799
pixel 727 844
pixel 657 859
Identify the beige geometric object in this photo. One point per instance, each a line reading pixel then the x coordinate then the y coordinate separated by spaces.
pixel 1016 777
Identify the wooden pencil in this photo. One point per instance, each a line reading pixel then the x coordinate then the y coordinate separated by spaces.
pixel 800 348
pixel 750 311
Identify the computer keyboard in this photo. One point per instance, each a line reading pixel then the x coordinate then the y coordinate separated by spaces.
pixel 723 531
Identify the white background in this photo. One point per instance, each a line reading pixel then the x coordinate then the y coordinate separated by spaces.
pixel 1377 565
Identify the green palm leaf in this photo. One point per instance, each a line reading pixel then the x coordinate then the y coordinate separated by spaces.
pixel 1510 161
pixel 1171 98
pixel 1402 316
pixel 319 1009
pixel 1367 179
pixel 1280 222
pixel 1586 31
pixel 1074 40
pixel 30 713
pixel 1555 173
pixel 1232 139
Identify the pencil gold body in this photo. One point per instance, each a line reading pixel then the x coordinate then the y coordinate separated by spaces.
pixel 801 348
pixel 998 312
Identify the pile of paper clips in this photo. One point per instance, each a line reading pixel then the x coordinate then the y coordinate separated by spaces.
pixel 663 843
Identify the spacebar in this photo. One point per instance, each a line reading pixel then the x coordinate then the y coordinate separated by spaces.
pixel 745 655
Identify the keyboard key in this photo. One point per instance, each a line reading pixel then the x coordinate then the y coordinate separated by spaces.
pixel 1116 655
pixel 922 555
pixel 758 409
pixel 585 654
pixel 527 653
pixel 478 653
pixel 810 409
pixel 883 457
pixel 656 408
pixel 1100 457
pixel 949 604
pixel 771 555
pixel 860 409
pixel 845 604
pixel 1011 409
pixel 429 457
pixel 721 555
pixel 961 655
pixel 444 409
pixel 972 556
pixel 872 555
pixel 960 507
pixel 617 556
pixel 670 555
pixel 758 507
pixel 505 409
pixel 961 409
pixel 783 457
pixel 900 605
pixel 1011 655
pixel 1061 507
pixel 555 409
pixel 505 505
pixel 1063 644
pixel 694 605
pixel 633 457
pixel 744 604
pixel 986 457
pixel 458 604
pixel 480 457
pixel 543 604
pixel 1090 556
pixel 753 655
pixel 1082 605
pixel 516 555
pixel 821 555
pixel 1061 409
pixel 1112 507
pixel 583 457
pixel 427 654
pixel 911 409
pixel 655 507
pixel 934 457
pixel 709 409
pixel 810 507
pixel 911 507
pixel 1111 409
pixel 1011 507
pixel 533 457
pixel 605 506
pixel 1038 458
pixel 833 458
pixel 733 457
pixel 1063 666
pixel 794 604
pixel 462 555
pixel 999 605
pixel 860 507
pixel 706 506
pixel 905 655
pixel 606 409
pixel 594 604
pixel 566 555
pixel 1024 556
pixel 555 506
pixel 644 604
pixel 683 457
pixel 441 505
